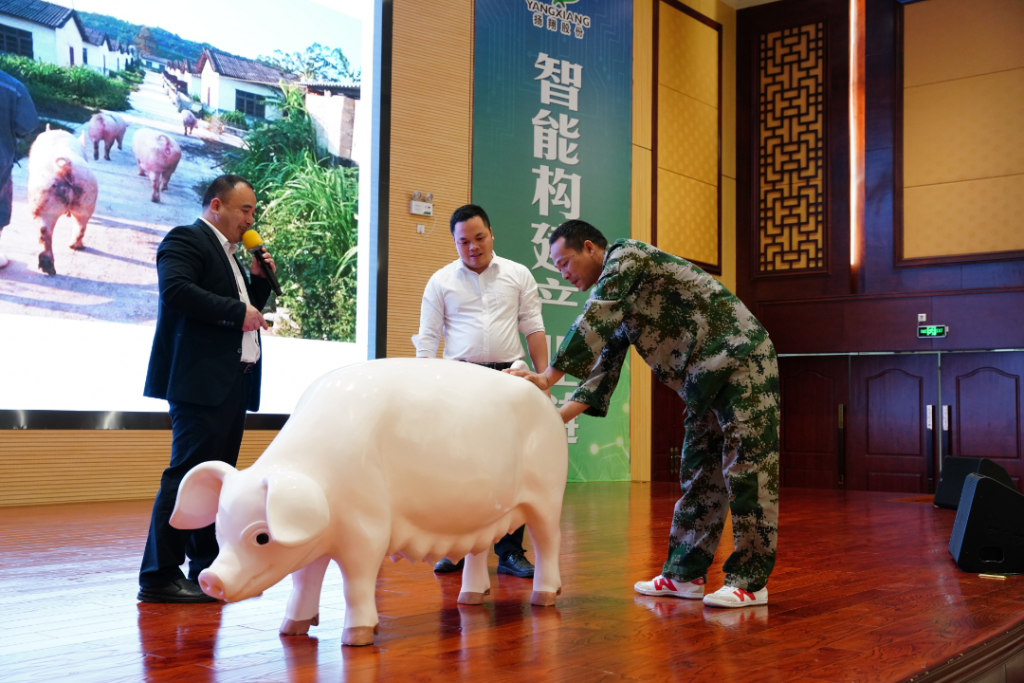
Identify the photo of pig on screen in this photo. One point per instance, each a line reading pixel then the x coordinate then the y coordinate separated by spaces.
pixel 140 107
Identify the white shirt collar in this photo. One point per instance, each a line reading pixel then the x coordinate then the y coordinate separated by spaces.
pixel 229 248
pixel 492 264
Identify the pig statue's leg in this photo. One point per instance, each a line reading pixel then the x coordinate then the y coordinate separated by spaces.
pixel 107 144
pixel 95 149
pixel 303 608
pixel 547 540
pixel 46 239
pixel 476 582
pixel 359 567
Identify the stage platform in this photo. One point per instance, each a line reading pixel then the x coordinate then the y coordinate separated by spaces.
pixel 863 590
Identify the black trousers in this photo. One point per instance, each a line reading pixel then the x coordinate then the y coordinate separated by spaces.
pixel 200 434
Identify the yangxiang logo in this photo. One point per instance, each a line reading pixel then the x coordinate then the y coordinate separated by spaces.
pixel 558 18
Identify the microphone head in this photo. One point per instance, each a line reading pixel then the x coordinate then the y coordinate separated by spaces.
pixel 252 240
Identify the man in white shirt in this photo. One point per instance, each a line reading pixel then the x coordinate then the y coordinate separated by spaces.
pixel 479 304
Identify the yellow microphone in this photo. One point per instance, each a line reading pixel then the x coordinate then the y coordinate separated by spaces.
pixel 254 245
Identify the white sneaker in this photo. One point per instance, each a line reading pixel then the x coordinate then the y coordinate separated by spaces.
pixel 659 585
pixel 731 596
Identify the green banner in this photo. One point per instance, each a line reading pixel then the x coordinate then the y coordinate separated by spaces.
pixel 552 122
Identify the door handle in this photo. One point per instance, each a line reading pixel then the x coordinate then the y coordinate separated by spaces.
pixel 947 430
pixel 929 447
pixel 841 450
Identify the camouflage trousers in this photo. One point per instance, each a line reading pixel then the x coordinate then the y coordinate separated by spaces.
pixel 731 457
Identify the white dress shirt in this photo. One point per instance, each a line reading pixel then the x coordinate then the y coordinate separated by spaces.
pixel 479 315
pixel 250 342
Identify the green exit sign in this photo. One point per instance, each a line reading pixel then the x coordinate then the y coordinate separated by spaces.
pixel 932 331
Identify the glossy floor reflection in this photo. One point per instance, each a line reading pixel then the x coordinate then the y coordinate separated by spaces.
pixel 864 590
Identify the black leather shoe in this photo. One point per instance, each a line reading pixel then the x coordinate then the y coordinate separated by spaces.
pixel 516 564
pixel 446 566
pixel 179 590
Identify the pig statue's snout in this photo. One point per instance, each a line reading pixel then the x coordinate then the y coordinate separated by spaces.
pixel 211 584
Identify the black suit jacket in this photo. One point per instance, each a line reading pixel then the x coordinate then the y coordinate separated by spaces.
pixel 198 341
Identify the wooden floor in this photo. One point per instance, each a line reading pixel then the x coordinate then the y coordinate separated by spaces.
pixel 864 590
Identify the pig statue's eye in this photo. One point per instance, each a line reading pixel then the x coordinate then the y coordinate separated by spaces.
pixel 262 539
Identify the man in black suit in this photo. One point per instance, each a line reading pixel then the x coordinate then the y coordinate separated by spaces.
pixel 206 362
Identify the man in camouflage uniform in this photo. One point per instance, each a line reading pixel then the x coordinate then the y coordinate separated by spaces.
pixel 700 340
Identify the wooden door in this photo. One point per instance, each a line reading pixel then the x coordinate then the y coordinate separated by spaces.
pixel 811 442
pixel 667 431
pixel 891 445
pixel 984 392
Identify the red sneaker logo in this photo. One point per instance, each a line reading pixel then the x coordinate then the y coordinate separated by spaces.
pixel 698 582
pixel 741 594
pixel 661 583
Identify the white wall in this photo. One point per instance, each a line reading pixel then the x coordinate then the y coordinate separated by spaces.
pixel 44 40
pixel 334 120
pixel 209 90
pixel 69 37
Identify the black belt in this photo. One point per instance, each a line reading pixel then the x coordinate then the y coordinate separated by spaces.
pixel 493 366
pixel 245 368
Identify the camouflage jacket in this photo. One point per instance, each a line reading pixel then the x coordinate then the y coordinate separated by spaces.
pixel 691 330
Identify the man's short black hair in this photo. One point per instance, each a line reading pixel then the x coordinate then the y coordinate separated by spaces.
pixel 222 185
pixel 464 213
pixel 576 233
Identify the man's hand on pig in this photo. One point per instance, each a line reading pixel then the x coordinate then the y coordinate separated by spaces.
pixel 538 379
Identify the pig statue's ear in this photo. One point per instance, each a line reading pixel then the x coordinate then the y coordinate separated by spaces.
pixel 297 510
pixel 198 495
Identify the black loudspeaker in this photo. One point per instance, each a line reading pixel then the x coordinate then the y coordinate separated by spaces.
pixel 955 471
pixel 988 534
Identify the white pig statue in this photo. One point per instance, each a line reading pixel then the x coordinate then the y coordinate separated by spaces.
pixel 412 458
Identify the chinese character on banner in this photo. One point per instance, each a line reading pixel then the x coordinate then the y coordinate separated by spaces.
pixel 552 24
pixel 562 88
pixel 554 287
pixel 566 28
pixel 538 20
pixel 579 31
pixel 551 138
pixel 543 249
pixel 564 186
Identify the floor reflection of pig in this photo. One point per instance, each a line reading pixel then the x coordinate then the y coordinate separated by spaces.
pixel 106 127
pixel 59 183
pixel 413 458
pixel 157 155
pixel 188 120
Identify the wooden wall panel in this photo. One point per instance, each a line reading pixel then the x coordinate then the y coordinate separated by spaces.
pixel 640 374
pixel 57 466
pixel 812 389
pixel 431 150
pixel 755 282
pixel 963 145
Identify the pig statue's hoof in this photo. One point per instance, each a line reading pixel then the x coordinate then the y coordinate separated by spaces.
pixel 300 627
pixel 544 598
pixel 46 264
pixel 77 244
pixel 468 598
pixel 357 636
